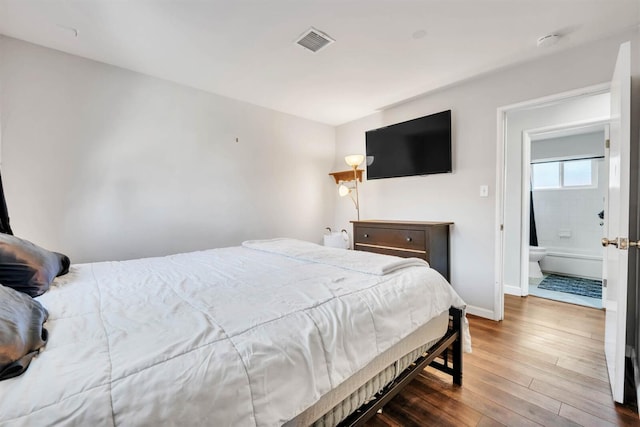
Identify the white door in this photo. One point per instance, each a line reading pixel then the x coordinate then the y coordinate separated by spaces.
pixel 617 220
pixel 605 203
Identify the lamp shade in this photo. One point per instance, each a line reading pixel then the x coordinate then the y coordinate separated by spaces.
pixel 343 190
pixel 354 160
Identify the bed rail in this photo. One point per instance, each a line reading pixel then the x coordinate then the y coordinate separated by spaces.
pixel 448 347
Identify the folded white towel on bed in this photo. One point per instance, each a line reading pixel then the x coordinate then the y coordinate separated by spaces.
pixel 363 262
pixel 359 261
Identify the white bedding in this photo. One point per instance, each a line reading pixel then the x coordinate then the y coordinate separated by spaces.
pixel 237 336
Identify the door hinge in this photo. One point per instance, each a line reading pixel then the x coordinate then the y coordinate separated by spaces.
pixel 501 227
pixel 604 283
pixel 607 144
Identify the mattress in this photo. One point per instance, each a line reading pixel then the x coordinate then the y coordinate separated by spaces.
pixel 379 372
pixel 244 336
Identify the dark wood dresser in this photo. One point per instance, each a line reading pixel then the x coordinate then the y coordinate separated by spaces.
pixel 418 239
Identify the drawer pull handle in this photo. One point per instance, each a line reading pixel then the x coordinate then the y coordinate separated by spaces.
pixel 366 235
pixel 409 239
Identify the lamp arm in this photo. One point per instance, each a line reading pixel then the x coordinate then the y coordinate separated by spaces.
pixel 353 199
pixel 357 199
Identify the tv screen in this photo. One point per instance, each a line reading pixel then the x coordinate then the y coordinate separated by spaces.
pixel 416 147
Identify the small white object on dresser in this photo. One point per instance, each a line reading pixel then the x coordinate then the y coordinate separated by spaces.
pixel 337 239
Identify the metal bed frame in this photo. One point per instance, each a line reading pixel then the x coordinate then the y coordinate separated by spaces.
pixel 448 347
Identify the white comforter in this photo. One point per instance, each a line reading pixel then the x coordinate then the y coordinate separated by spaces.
pixel 238 336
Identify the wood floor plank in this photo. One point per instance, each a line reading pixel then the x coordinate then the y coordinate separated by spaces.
pixel 551 346
pixel 462 414
pixel 536 368
pixel 548 344
pixel 582 417
pixel 507 349
pixel 506 372
pixel 524 327
pixel 381 420
pixel 516 390
pixel 586 367
pixel 578 400
pixel 478 401
pixel 518 405
pixel 488 422
pixel 543 365
pixel 416 413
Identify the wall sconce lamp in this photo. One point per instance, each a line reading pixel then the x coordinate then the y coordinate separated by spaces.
pixel 354 175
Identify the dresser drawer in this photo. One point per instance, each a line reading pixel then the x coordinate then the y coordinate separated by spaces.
pixel 428 240
pixel 395 252
pixel 395 238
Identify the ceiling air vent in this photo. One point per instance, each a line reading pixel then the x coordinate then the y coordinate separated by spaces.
pixel 314 40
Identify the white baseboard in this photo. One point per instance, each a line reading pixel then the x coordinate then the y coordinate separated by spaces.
pixel 480 312
pixel 512 290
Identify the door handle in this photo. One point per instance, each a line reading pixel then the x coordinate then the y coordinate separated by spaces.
pixel 629 243
pixel 620 242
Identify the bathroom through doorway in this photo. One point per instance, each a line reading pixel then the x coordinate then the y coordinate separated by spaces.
pixel 567 189
pixel 555 166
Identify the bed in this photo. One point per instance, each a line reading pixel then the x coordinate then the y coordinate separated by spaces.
pixel 273 332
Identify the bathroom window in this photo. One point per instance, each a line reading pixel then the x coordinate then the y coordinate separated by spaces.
pixel 564 174
pixel 577 173
pixel 545 175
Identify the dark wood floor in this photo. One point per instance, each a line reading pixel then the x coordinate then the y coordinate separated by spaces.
pixel 543 365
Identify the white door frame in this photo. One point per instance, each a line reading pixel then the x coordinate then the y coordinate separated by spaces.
pixel 501 172
pixel 527 137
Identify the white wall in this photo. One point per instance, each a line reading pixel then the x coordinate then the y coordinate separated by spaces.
pixel 104 163
pixel 455 197
pixel 589 144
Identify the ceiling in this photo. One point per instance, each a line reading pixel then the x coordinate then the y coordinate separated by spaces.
pixel 386 51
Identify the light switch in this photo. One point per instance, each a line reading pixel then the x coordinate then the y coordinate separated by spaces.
pixel 484 191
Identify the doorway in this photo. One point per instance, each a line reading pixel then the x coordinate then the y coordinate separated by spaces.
pixel 619 269
pixel 565 182
pixel 570 110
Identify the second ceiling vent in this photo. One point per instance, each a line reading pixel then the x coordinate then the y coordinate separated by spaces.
pixel 314 40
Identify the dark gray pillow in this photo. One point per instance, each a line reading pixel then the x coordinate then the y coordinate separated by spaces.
pixel 21 331
pixel 28 268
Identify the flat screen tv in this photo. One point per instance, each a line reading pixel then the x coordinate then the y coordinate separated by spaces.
pixel 420 146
